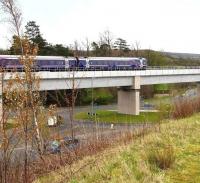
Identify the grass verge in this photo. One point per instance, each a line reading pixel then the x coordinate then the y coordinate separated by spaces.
pixel 114 117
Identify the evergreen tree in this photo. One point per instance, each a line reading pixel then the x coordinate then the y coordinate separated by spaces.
pixel 95 48
pixel 34 36
pixel 121 45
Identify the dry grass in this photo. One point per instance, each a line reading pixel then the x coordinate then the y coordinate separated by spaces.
pixel 185 107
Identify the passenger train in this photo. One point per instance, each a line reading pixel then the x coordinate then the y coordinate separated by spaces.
pixel 54 63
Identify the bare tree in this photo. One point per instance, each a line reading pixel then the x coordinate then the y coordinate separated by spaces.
pixel 78 51
pixel 87 46
pixel 25 84
pixel 107 38
pixel 137 47
pixel 15 19
pixel 10 8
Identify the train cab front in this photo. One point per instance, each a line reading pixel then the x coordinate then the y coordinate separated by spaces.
pixel 143 63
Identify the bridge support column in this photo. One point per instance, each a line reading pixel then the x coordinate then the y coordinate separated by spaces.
pixel 129 98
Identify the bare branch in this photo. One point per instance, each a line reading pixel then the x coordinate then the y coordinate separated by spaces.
pixel 14 14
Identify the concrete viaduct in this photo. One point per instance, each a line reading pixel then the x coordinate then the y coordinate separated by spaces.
pixel 127 82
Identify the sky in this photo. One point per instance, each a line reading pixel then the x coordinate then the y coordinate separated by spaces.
pixel 167 25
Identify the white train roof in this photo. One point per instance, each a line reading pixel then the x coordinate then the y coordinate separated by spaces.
pixel 113 58
pixel 37 57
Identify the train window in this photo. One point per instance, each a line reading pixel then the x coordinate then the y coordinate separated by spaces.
pixel 60 62
pixel 137 61
pixel 12 62
pixel 144 61
pixel 110 62
pixel 82 62
pixel 98 62
pixel 44 62
pixel 8 61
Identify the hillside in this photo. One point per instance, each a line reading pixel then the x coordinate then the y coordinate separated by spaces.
pixel 191 56
pixel 156 58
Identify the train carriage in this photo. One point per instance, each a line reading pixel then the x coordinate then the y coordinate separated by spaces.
pixel 56 63
pixel 115 63
pixel 44 63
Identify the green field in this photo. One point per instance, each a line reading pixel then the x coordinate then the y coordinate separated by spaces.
pixel 114 117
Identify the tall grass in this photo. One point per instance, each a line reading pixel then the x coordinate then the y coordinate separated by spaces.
pixel 185 107
pixel 161 157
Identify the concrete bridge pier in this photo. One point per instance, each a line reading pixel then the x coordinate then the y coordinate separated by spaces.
pixel 129 98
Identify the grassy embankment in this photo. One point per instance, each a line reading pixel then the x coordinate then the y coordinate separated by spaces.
pixel 170 154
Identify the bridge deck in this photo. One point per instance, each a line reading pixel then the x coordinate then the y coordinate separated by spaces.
pixel 88 79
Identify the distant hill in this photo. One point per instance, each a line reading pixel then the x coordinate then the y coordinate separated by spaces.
pixel 190 56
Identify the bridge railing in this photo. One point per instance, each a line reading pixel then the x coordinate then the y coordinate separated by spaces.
pixel 171 67
pixel 101 69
